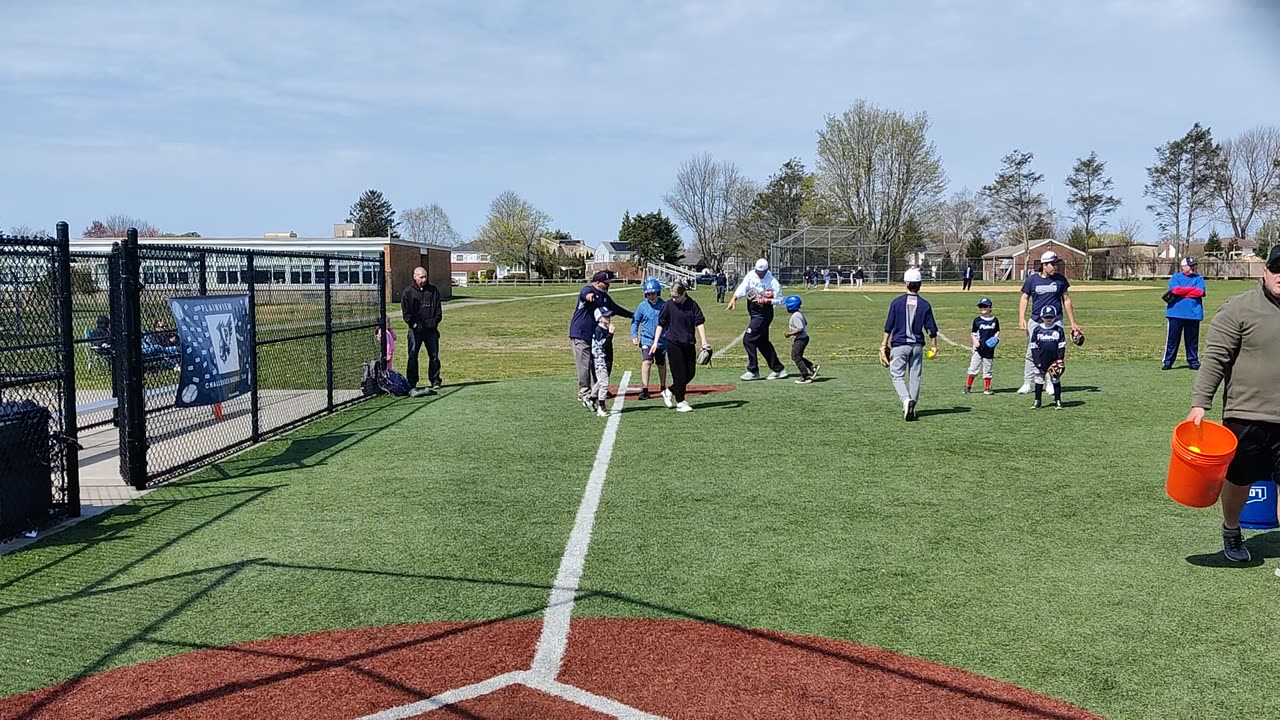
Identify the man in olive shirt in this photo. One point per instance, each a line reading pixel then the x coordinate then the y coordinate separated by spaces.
pixel 1243 352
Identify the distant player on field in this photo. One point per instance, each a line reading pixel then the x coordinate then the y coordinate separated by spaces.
pixel 1046 288
pixel 986 333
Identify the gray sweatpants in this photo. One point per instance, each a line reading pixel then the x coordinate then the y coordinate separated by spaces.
pixel 906 367
pixel 583 364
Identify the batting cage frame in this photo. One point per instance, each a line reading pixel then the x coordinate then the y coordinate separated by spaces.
pixel 829 247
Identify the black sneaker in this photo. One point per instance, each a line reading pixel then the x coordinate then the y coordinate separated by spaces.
pixel 988 391
pixel 911 410
pixel 1037 406
pixel 1057 404
pixel 967 389
pixel 436 385
pixel 609 394
pixel 1194 367
pixel 588 402
pixel 1233 546
pixel 1166 367
pixel 644 394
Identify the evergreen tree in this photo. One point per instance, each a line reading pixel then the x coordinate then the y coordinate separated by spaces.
pixel 373 216
pixel 1089 187
pixel 1213 244
pixel 653 236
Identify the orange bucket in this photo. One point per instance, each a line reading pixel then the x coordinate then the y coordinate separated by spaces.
pixel 1198 464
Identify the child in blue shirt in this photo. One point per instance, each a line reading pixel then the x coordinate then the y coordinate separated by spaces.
pixel 643 325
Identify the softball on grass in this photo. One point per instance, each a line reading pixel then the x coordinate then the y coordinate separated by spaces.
pixel 930 353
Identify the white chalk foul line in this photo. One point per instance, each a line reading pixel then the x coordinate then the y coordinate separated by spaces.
pixel 730 346
pixel 554 640
pixel 949 341
pixel 555 622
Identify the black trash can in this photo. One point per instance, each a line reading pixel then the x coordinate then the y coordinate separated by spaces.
pixel 26 473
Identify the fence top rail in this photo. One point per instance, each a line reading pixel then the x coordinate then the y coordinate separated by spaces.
pixel 198 250
pixel 29 241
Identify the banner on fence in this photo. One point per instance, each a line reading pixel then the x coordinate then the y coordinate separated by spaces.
pixel 215 336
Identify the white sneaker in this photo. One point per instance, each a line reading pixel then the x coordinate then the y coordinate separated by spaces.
pixel 683 406
pixel 668 398
pixel 601 412
pixel 749 376
pixel 777 375
pixel 1025 389
pixel 906 409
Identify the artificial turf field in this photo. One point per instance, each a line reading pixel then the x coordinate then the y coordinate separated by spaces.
pixel 1036 548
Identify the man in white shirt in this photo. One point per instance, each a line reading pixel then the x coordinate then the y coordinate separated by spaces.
pixel 762 291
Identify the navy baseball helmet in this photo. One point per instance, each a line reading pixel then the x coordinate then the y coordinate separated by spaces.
pixel 792 303
pixel 1048 312
pixel 984 302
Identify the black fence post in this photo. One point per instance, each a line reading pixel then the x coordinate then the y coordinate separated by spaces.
pixel 382 307
pixel 255 431
pixel 134 432
pixel 328 330
pixel 202 267
pixel 70 427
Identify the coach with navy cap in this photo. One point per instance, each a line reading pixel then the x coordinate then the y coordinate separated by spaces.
pixel 583 324
pixel 1186 309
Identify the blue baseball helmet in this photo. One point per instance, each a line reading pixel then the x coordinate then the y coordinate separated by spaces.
pixel 792 303
pixel 652 286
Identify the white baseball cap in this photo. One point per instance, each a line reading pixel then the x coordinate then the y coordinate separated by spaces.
pixel 912 275
pixel 762 265
pixel 1049 256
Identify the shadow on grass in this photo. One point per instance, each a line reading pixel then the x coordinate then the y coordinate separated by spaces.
pixel 1261 548
pixel 1081 388
pixel 944 411
pixel 357 661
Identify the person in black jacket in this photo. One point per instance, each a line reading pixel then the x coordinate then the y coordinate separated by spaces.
pixel 420 304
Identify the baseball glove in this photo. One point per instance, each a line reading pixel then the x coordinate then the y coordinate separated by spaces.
pixel 704 355
pixel 1056 369
pixel 1077 337
pixel 884 356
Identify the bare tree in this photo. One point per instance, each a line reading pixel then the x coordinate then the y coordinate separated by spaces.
pixel 1129 231
pixel 1016 205
pixel 1249 177
pixel 27 231
pixel 956 220
pixel 513 231
pixel 1089 198
pixel 429 224
pixel 712 199
pixel 879 168
pixel 1182 185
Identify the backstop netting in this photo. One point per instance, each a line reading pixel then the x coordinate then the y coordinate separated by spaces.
pixel 844 250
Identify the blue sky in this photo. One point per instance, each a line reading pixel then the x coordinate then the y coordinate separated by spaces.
pixel 239 118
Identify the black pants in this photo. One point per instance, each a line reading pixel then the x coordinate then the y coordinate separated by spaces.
pixel 682 359
pixel 798 346
pixel 968 283
pixel 720 293
pixel 430 338
pixel 757 339
pixel 1179 330
pixel 608 354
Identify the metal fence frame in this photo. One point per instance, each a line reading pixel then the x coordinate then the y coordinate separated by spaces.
pixel 839 248
pixel 58 374
pixel 147 421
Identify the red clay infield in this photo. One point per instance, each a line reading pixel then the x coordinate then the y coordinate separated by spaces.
pixel 674 669
pixel 633 391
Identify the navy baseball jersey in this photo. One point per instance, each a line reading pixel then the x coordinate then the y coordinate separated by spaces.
pixel 1046 291
pixel 1047 344
pixel 985 329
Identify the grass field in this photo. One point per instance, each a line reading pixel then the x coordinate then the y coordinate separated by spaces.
pixel 1037 548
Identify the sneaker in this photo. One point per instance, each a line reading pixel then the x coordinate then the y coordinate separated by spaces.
pixel 644 394
pixel 609 394
pixel 421 392
pixel 1025 389
pixel 1233 546
pixel 906 409
pixel 911 410
pixel 1036 406
pixel 1166 367
pixel 588 402
pixel 1194 367
pixel 777 375
pixel 600 411
pixel 683 407
pixel 1057 404
pixel 814 372
pixel 967 390
pixel 436 385
pixel 804 381
pixel 668 398
pixel 988 391
pixel 749 376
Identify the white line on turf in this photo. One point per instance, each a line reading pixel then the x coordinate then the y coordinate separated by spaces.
pixel 452 697
pixel 949 341
pixel 555 622
pixel 868 297
pixel 549 656
pixel 730 346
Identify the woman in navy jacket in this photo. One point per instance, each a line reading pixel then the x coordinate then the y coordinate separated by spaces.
pixel 1186 309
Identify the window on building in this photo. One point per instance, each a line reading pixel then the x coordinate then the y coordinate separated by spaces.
pixel 306 276
pixel 295 277
pixel 277 275
pixel 458 257
pixel 261 276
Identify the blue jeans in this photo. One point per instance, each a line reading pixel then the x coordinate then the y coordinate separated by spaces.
pixel 430 338
pixel 1180 330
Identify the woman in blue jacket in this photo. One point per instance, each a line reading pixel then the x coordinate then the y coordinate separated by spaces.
pixel 1186 309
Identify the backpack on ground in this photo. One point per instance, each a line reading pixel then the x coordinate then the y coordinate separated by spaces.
pixel 371 377
pixel 395 383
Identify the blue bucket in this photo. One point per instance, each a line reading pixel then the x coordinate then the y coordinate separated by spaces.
pixel 1260 509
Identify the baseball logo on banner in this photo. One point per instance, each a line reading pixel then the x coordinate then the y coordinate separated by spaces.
pixel 214 331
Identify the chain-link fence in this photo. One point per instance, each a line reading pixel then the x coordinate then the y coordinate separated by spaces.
pixel 306 345
pixel 38 461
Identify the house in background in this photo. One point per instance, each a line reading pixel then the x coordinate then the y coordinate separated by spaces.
pixel 469 262
pixel 616 257
pixel 1014 262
